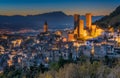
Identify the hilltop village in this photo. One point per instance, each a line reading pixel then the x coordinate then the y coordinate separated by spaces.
pixel 49 46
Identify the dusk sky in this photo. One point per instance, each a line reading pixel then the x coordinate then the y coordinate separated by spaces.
pixel 70 7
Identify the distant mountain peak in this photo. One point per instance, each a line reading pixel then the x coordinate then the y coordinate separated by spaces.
pixel 55 13
pixel 55 19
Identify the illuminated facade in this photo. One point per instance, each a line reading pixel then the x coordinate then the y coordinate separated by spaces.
pixel 81 27
pixel 93 32
pixel 92 50
pixel 71 37
pixel 10 63
pixel 58 33
pixel 76 30
pixel 76 25
pixel 80 33
pixel 88 20
pixel 45 28
pixel 16 42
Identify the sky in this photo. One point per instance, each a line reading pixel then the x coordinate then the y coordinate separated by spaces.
pixel 70 7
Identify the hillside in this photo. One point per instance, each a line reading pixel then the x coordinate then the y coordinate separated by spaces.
pixel 113 19
pixel 17 22
pixel 56 20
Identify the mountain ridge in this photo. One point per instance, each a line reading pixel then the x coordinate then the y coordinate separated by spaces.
pixel 56 20
pixel 110 20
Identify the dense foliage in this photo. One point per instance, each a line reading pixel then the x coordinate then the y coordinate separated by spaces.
pixel 82 68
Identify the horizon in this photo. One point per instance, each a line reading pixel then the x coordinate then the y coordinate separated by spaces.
pixel 69 7
pixel 48 13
